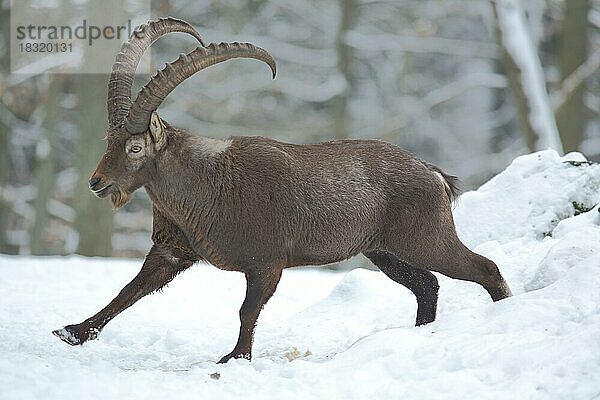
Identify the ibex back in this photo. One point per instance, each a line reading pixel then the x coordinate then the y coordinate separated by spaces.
pixel 258 206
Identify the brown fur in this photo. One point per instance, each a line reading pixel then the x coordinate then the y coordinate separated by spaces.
pixel 258 206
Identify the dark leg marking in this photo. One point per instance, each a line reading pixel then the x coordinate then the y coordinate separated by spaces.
pixel 421 282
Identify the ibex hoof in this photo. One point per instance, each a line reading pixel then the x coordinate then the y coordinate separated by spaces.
pixel 234 354
pixel 72 335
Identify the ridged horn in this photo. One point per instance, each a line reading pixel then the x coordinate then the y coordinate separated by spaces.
pixel 123 71
pixel 160 85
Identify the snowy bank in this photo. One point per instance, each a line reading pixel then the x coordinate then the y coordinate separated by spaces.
pixel 328 335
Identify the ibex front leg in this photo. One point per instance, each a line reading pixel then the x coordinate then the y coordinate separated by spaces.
pixel 159 269
pixel 260 287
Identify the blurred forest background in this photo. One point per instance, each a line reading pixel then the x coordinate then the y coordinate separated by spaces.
pixel 442 78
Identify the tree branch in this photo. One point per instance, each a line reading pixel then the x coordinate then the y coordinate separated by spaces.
pixel 576 79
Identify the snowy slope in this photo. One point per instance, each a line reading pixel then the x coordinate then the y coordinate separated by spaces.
pixel 347 335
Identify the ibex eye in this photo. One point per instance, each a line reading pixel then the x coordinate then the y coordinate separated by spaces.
pixel 135 149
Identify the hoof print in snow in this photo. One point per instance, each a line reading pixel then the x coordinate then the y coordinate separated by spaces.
pixel 294 354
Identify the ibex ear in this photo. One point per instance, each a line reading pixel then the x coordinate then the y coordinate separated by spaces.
pixel 157 131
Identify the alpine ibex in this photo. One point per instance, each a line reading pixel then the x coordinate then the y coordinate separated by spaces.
pixel 257 205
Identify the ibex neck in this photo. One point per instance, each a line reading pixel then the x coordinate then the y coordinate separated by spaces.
pixel 188 182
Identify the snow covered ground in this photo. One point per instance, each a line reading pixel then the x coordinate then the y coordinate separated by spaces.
pixel 327 335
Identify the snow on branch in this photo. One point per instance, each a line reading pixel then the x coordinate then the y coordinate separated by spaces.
pixel 42 66
pixel 280 49
pixel 458 87
pixel 574 80
pixel 389 42
pixel 517 41
pixel 333 86
pixel 438 96
pixel 592 102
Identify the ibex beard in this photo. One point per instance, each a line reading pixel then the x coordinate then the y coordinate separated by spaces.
pixel 118 196
pixel 258 206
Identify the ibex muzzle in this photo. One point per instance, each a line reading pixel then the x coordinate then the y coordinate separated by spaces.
pixel 258 206
pixel 100 185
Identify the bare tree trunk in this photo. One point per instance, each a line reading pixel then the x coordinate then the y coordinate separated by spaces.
pixel 344 54
pixel 573 43
pixel 4 167
pixel 46 167
pixel 513 73
pixel 4 130
pixel 523 69
pixel 94 218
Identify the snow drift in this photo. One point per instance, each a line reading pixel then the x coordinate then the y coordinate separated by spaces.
pixel 334 335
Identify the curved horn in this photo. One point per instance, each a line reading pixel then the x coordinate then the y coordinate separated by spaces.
pixel 123 71
pixel 167 79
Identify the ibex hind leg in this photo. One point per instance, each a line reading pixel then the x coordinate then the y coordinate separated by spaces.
pixel 486 273
pixel 458 262
pixel 421 282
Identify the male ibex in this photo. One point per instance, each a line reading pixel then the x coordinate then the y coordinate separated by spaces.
pixel 257 206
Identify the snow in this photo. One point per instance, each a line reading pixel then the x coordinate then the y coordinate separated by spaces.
pixel 330 335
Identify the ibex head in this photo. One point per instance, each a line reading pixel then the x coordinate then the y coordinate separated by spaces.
pixel 136 135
